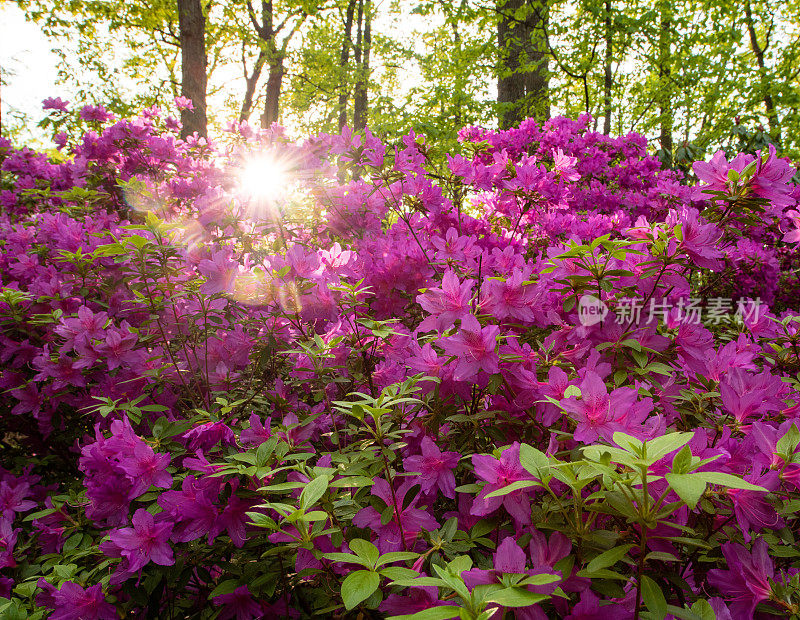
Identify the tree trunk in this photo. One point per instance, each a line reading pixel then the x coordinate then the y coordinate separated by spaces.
pixel 607 76
pixel 192 25
pixel 344 59
pixel 360 107
pixel 251 82
pixel 274 82
pixel 665 86
pixel 522 85
pixel 772 114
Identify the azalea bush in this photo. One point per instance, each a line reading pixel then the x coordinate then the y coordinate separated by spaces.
pixel 540 378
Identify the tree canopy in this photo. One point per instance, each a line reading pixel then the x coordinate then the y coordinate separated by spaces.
pixel 692 75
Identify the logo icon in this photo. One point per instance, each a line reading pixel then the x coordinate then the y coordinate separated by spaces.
pixel 591 310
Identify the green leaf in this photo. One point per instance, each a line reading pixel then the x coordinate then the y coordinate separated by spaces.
pixel 412 582
pixel 730 481
pixel 442 612
pixel 689 487
pixel 608 558
pixel 395 556
pixel 359 586
pixel 514 486
pixel 542 579
pixel 516 597
pixel 313 491
pixel 704 610
pixel 345 557
pixel 788 443
pixel 398 572
pixel 226 587
pixel 682 461
pixel 627 443
pixel 661 446
pixel 663 556
pixel 365 550
pixel 572 390
pixel 534 461
pixel 39 514
pixel 653 597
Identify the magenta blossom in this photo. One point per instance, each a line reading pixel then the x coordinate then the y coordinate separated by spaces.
pixel 412 600
pixel 184 103
pixel 96 113
pixel 435 468
pixel 793 236
pixel 72 602
pixel 447 304
pixel 56 104
pixel 146 468
pixel 509 558
pixel 600 414
pixel 238 604
pixel 499 473
pixel 746 582
pixel 407 518
pixel 714 173
pixel 474 348
pixel 752 510
pixel 147 541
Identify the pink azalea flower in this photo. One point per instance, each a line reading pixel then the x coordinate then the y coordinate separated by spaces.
pixel 258 432
pixel 55 103
pixel 8 539
pixel 600 414
pixel 509 558
pixel 147 541
pixel 220 273
pixel 184 103
pixel 499 473
pixel 509 298
pixel 772 179
pixel 752 510
pixel 447 304
pixel 412 520
pixel 435 468
pixel 145 468
pixel 238 604
pixel 746 581
pixel 475 349
pixel 413 600
pixel 72 602
pixel 699 240
pixel 793 236
pixel 12 499
pixel 715 173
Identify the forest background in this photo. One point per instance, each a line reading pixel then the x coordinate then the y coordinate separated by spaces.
pixel 691 75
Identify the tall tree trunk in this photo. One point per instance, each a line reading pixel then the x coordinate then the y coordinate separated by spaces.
pixel 251 81
pixel 194 80
pixel 758 51
pixel 665 86
pixel 607 76
pixel 344 59
pixel 274 82
pixel 360 107
pixel 536 74
pixel 461 76
pixel 522 85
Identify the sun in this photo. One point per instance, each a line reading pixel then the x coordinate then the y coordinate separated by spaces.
pixel 264 178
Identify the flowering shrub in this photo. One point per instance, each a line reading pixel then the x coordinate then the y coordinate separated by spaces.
pixel 540 378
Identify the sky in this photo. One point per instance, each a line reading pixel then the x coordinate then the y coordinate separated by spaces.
pixel 28 65
pixel 30 73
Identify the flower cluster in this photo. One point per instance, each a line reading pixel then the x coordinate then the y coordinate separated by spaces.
pixel 371 390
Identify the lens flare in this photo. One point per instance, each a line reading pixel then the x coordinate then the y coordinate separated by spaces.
pixel 264 178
